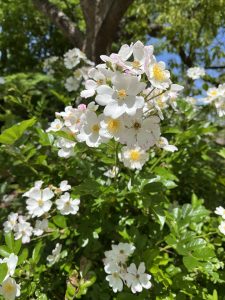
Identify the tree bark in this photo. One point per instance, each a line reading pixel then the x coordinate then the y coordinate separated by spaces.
pixel 102 19
pixel 60 20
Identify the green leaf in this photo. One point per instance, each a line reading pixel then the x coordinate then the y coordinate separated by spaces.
pixel 60 221
pixel 4 251
pixel 36 252
pixel 9 240
pixel 190 262
pixel 23 256
pixel 3 272
pixel 17 246
pixel 12 134
pixel 153 187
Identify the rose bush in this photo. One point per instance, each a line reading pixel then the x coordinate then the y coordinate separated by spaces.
pixel 121 195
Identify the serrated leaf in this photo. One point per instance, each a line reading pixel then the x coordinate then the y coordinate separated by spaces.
pixel 12 134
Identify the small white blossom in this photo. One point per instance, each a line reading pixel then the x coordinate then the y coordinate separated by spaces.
pixel 40 227
pixel 37 185
pixel 73 57
pixel 133 158
pixel 64 186
pixel 66 147
pixel 137 279
pixel 39 202
pixel 111 173
pixel 56 125
pixel 72 84
pixel 220 211
pixel 158 75
pixel 10 289
pixel 114 279
pixel 52 259
pixel 10 224
pixel 23 230
pixel 164 144
pixel 66 205
pixel 195 72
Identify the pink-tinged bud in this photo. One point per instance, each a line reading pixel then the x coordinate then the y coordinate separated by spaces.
pixel 82 106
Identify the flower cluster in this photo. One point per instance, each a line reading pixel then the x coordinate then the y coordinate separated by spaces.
pixel 221 212
pixel 9 288
pixel 38 204
pixel 119 274
pixel 195 72
pixel 131 90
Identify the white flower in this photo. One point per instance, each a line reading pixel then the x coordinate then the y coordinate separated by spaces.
pixel 119 58
pixel 220 211
pixel 23 230
pixel 111 127
pixel 11 262
pixel 195 72
pixel 64 186
pixel 133 158
pixel 111 173
pixel 220 106
pixel 163 143
pixel 10 224
pixel 89 132
pixel 114 278
pixel 213 93
pixel 56 125
pixel 98 78
pixel 141 53
pixel 55 254
pixel 122 98
pixel 119 253
pixel 222 227
pixel 73 57
pixel 39 202
pixel 40 227
pixel 137 279
pixel 66 147
pixel 72 84
pixel 10 289
pixel 37 185
pixel 143 133
pixel 67 205
pixel 158 75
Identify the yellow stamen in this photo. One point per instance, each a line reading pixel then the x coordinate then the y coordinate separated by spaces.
pixel 95 128
pixel 158 73
pixel 122 94
pixel 136 64
pixel 134 155
pixel 113 125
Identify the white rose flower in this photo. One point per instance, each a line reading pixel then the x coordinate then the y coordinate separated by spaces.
pixel 111 127
pixel 158 75
pixel 66 205
pixel 73 57
pixel 89 132
pixel 195 72
pixel 10 224
pixel 133 158
pixel 23 230
pixel 37 185
pixel 114 279
pixel 55 256
pixel 56 125
pixel 143 133
pixel 122 98
pixel 137 279
pixel 66 147
pixel 40 227
pixel 39 202
pixel 220 211
pixel 10 289
pixel 164 144
pixel 72 84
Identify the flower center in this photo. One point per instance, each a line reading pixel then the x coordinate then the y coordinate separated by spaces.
pixel 136 64
pixel 8 288
pixel 115 275
pixel 134 155
pixel 40 202
pixel 122 94
pixel 100 81
pixel 213 93
pixel 95 128
pixel 158 73
pixel 58 126
pixel 113 125
pixel 137 125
